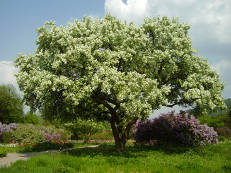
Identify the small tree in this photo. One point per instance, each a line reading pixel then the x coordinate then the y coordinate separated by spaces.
pixel 11 107
pixel 116 71
pixel 31 118
pixel 84 128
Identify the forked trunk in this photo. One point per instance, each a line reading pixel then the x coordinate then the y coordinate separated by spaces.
pixel 121 136
pixel 119 142
pixel 120 133
pixel 120 145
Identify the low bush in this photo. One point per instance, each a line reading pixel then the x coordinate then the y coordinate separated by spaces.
pixel 3 152
pixel 7 137
pixel 30 147
pixel 46 146
pixel 103 135
pixel 53 134
pixel 173 128
pixel 215 121
pixel 31 118
pixel 221 138
pixel 4 128
pixel 224 131
pixel 29 133
pixel 84 129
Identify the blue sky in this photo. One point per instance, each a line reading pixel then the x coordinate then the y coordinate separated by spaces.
pixel 209 19
pixel 19 20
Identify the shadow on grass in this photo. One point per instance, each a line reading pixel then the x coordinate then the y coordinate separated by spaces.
pixel 45 146
pixel 132 151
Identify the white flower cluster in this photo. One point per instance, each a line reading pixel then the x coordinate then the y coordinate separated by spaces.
pixel 140 67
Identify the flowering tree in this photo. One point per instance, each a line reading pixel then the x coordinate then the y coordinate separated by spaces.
pixel 118 71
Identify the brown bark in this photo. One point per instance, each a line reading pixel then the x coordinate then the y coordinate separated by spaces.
pixel 121 137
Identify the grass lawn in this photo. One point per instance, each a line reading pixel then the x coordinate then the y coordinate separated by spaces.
pixel 212 159
pixel 4 149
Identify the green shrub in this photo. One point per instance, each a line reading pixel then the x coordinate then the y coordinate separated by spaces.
pixel 7 137
pixel 31 118
pixel 103 135
pixel 29 133
pixel 85 128
pixel 215 121
pixel 3 152
pixel 221 138
pixel 46 146
pixel 224 131
pixel 6 128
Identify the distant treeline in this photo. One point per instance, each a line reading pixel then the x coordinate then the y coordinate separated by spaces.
pixel 218 111
pixel 198 112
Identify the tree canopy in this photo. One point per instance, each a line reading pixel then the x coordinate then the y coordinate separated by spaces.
pixel 116 70
pixel 11 106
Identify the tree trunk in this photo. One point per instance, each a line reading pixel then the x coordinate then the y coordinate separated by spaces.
pixel 119 142
pixel 121 136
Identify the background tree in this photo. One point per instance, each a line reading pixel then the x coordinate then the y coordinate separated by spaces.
pixel 118 70
pixel 11 106
pixel 31 118
pixel 84 128
pixel 199 111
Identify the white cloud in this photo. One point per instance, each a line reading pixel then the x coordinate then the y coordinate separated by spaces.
pixel 162 110
pixel 7 71
pixel 224 69
pixel 209 18
pixel 132 10
pixel 7 76
pixel 214 16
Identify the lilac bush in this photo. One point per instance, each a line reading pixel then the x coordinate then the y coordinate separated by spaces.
pixel 52 137
pixel 6 128
pixel 29 133
pixel 180 129
pixel 38 134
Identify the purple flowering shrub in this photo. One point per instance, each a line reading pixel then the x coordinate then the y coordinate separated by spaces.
pixel 52 137
pixel 173 128
pixel 53 134
pixel 6 128
pixel 29 133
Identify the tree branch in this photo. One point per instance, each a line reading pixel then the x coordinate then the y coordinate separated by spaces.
pixel 182 102
pixel 129 126
pixel 101 101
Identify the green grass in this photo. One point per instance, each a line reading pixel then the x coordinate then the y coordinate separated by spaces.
pixel 41 147
pixel 212 159
pixel 12 149
pixel 104 135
